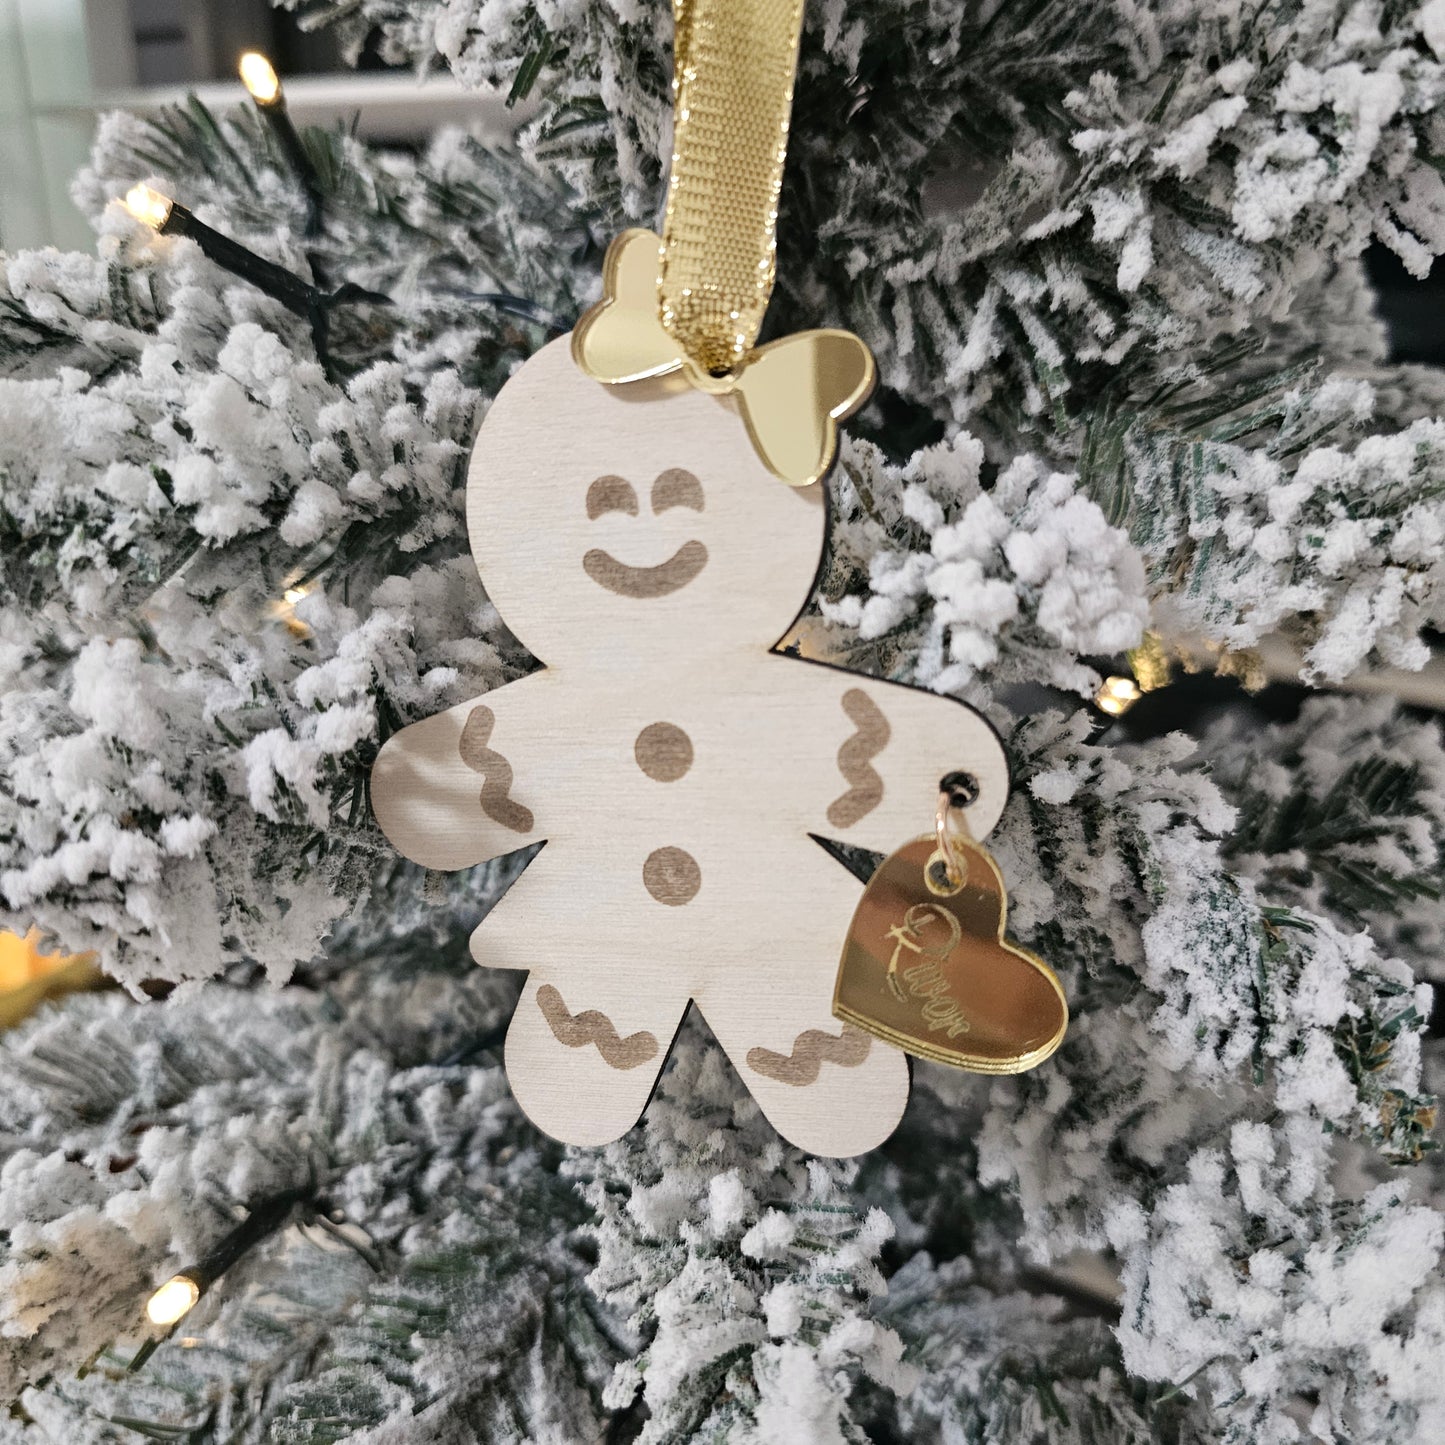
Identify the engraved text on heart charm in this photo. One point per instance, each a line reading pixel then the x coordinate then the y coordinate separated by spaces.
pixel 927 968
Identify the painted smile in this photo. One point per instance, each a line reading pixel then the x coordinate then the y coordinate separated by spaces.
pixel 679 569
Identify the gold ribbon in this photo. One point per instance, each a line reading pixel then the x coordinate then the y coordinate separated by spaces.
pixel 693 300
pixel 732 89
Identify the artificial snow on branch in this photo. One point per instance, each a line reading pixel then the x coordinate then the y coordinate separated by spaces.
pixel 1108 260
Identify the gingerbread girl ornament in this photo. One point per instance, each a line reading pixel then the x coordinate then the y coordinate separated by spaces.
pixel 676 766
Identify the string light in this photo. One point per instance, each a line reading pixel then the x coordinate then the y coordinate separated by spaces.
pixel 180 1294
pixel 29 975
pixel 1116 695
pixel 170 218
pixel 173 1301
pixel 1152 668
pixel 259 77
pixel 285 611
pixel 149 207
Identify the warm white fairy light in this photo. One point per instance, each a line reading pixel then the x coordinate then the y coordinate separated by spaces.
pixel 285 610
pixel 1116 695
pixel 173 1301
pixel 149 206
pixel 259 77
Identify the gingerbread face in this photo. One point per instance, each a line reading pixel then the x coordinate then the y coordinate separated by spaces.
pixel 676 487
pixel 642 515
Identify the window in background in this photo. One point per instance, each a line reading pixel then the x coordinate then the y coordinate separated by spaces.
pixel 62 61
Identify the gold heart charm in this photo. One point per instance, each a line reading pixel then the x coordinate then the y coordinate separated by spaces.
pixel 791 393
pixel 927 968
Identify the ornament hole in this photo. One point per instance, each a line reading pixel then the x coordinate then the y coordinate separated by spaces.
pixel 961 788
pixel 936 877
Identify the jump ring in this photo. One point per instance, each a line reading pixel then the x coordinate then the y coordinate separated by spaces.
pixel 957 869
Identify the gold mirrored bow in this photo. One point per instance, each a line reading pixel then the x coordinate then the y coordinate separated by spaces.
pixel 791 393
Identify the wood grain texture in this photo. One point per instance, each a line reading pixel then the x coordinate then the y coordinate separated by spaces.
pixel 662 727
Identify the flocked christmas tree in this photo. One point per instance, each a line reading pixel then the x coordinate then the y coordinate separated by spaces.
pixel 1108 260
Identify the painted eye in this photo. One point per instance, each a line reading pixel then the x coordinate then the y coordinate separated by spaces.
pixel 676 488
pixel 611 494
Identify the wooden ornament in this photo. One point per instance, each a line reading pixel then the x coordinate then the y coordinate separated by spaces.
pixel 673 764
pixel 927 968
